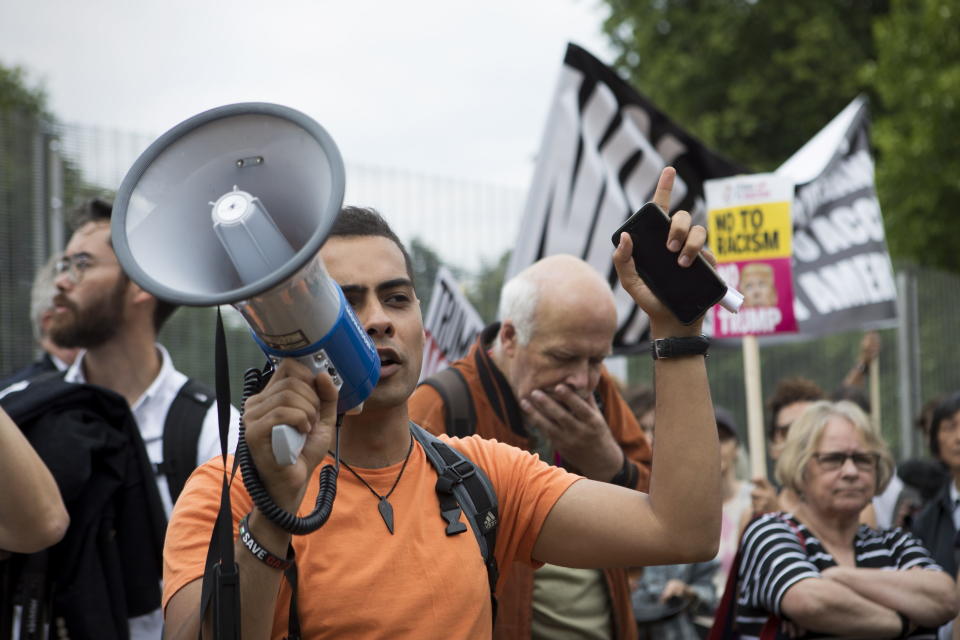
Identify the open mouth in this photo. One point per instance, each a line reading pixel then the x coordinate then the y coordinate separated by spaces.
pixel 389 361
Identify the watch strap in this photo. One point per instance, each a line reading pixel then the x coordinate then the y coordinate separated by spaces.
pixel 663 348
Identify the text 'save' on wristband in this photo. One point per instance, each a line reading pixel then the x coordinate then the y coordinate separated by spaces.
pixel 259 551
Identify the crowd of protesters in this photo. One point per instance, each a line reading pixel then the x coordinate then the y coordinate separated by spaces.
pixel 839 541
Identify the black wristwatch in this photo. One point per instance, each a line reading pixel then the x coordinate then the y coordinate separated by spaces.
pixel 677 347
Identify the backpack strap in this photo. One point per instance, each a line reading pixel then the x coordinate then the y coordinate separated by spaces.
pixel 459 414
pixel 181 431
pixel 462 485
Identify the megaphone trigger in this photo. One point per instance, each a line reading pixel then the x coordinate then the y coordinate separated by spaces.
pixel 287 444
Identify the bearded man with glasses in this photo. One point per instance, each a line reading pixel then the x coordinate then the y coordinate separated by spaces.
pixel 99 309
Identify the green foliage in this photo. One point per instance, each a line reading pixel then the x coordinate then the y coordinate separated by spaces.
pixel 426 262
pixel 754 79
pixel 917 75
pixel 17 95
pixel 22 123
pixel 484 292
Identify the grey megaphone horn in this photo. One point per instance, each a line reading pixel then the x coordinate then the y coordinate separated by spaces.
pixel 231 207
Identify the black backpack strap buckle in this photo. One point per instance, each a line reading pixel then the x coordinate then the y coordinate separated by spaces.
pixel 452 518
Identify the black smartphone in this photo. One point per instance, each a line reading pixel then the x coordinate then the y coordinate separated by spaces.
pixel 687 291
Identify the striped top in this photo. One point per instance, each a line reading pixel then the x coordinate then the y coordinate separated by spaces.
pixel 774 560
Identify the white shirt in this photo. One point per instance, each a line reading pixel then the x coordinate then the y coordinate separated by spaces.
pixel 886 502
pixel 955 501
pixel 150 411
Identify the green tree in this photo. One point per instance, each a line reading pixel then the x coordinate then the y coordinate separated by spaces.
pixel 426 262
pixel 484 291
pixel 22 123
pixel 753 79
pixel 917 75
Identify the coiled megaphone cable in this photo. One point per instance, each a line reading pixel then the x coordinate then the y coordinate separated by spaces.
pixel 253 382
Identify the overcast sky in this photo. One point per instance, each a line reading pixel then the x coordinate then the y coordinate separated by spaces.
pixel 448 88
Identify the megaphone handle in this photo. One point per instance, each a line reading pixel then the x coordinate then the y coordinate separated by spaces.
pixel 287 442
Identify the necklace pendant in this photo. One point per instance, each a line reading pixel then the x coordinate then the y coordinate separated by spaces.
pixel 386 512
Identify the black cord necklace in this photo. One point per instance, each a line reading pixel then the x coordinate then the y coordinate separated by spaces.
pixel 384 506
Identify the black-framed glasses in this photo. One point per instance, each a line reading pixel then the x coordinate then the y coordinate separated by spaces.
pixel 833 460
pixel 74 266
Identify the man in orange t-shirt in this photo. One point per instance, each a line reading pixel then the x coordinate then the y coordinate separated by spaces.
pixel 366 575
pixel 536 380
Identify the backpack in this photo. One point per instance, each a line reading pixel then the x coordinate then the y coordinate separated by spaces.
pixel 459 414
pixel 463 486
pixel 181 432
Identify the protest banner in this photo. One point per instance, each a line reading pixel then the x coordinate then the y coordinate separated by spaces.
pixel 603 148
pixel 842 271
pixel 451 326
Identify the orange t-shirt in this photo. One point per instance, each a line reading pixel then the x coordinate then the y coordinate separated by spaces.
pixel 359 581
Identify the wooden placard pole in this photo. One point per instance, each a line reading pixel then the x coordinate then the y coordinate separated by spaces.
pixel 875 391
pixel 755 436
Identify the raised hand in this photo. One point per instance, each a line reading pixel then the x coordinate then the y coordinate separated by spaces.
pixel 684 239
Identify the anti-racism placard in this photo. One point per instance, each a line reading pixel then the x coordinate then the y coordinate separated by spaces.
pixel 751 233
pixel 451 326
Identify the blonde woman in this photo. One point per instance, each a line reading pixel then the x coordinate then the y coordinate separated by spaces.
pixel 818 569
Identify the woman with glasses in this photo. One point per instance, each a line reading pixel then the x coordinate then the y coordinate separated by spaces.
pixel 818 570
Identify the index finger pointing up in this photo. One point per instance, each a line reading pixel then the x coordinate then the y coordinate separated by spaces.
pixel 664 187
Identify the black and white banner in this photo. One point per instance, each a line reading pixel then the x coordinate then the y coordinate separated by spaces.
pixel 451 326
pixel 601 155
pixel 843 279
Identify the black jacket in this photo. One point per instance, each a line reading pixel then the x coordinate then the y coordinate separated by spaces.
pixel 43 365
pixel 108 566
pixel 934 526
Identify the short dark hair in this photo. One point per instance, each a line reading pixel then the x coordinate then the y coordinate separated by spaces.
pixel 726 424
pixel 366 221
pixel 788 391
pixel 949 406
pixel 100 210
pixel 93 210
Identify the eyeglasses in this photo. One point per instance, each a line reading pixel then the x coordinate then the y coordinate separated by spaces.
pixel 74 266
pixel 833 460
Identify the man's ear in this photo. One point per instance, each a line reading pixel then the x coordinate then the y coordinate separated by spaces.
pixel 138 295
pixel 509 341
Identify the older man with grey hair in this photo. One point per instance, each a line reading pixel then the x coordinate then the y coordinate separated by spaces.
pixel 54 356
pixel 536 380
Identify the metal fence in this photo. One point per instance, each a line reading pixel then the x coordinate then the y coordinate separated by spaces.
pixel 44 169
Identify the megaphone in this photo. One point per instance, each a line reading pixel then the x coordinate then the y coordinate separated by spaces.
pixel 231 207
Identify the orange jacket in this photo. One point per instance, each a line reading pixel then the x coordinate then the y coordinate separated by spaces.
pixel 498 416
